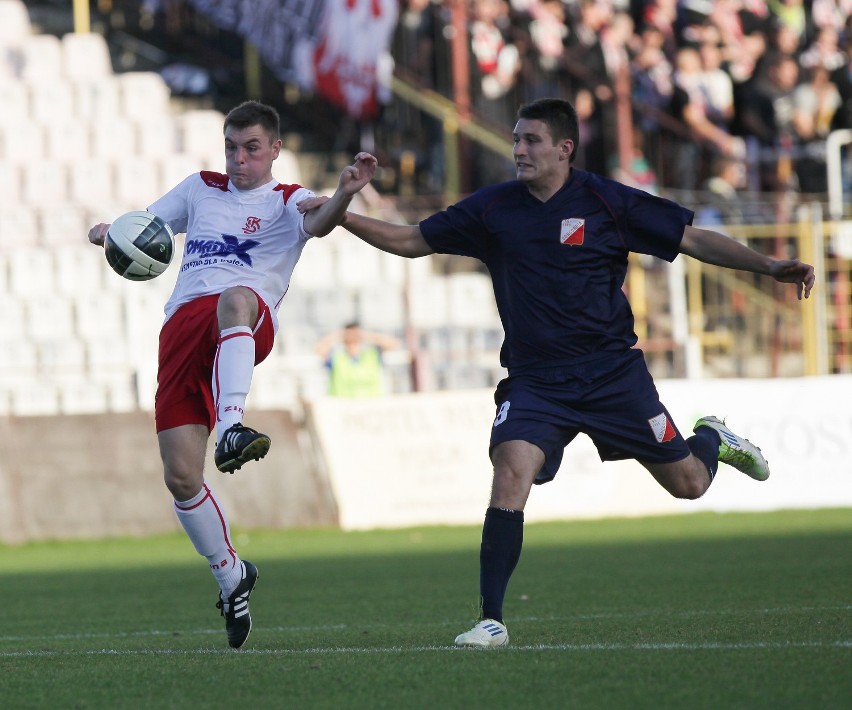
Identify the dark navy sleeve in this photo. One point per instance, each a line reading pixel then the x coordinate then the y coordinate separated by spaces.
pixel 459 229
pixel 653 225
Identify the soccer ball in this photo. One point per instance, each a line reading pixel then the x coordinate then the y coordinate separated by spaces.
pixel 139 246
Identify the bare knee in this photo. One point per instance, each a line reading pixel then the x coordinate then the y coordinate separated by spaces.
pixel 687 479
pixel 237 306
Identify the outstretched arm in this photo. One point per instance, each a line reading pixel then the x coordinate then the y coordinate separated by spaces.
pixel 720 250
pixel 321 220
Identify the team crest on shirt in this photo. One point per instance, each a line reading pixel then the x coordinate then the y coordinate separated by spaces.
pixel 252 225
pixel 573 231
pixel 662 428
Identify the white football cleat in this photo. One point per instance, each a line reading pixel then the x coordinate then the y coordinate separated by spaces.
pixel 736 451
pixel 486 634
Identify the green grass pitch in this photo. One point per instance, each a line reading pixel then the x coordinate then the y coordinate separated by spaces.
pixel 693 611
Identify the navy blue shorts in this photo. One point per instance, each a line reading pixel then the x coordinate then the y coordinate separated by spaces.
pixel 612 399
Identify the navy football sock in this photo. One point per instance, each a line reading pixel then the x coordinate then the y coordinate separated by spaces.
pixel 704 445
pixel 502 538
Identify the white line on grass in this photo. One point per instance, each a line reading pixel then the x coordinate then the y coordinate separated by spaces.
pixel 343 650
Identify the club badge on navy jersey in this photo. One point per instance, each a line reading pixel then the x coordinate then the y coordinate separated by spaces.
pixel 573 231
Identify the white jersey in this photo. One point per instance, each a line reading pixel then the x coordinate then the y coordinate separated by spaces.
pixel 234 237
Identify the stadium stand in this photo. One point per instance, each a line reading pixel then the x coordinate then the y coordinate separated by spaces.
pixel 123 139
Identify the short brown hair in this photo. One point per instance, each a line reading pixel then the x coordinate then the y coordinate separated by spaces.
pixel 254 113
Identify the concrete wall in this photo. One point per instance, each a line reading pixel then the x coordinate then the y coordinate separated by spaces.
pixel 100 476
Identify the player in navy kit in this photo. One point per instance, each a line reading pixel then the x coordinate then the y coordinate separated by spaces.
pixel 244 236
pixel 556 243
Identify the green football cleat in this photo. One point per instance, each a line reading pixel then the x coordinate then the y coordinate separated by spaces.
pixel 736 451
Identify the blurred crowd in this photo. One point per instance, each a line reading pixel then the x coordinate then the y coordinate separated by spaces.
pixel 692 94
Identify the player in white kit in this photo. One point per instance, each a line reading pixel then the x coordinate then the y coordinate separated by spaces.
pixel 244 236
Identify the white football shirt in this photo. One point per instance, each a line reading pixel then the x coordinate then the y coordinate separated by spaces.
pixel 234 237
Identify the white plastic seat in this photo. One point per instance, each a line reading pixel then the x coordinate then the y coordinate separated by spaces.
pixel 201 136
pixel 83 397
pixel 51 99
pixel 14 98
pixel 85 56
pixel 92 186
pixel 18 229
pixel 44 182
pixel 41 58
pixel 98 315
pixel 33 397
pixel 48 317
pixel 79 268
pixel 137 182
pixel 471 300
pixel 62 225
pixel 15 23
pixel 10 182
pixel 175 168
pixel 143 96
pixel 156 137
pixel 97 101
pixel 22 142
pixel 114 139
pixel 68 140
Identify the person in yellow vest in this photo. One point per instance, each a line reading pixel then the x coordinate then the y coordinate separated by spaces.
pixel 353 357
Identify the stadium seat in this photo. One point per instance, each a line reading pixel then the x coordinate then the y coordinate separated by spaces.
pixel 79 267
pixel 137 182
pixel 156 138
pixel 62 225
pixel 44 182
pixel 143 95
pixel 14 98
pixel 48 317
pixel 82 397
pixel 357 264
pixel 62 360
pixel 381 308
pixel 10 182
pixel 113 139
pixel 41 58
pixel 50 99
pixel 96 316
pixel 19 227
pixel 200 133
pixel 471 300
pixel 85 56
pixel 429 304
pixel 97 101
pixel 22 142
pixel 92 186
pixel 174 168
pixel 68 140
pixel 315 269
pixel 14 23
pixel 33 397
pixel 286 168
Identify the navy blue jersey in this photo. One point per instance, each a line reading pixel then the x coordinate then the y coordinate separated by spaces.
pixel 558 267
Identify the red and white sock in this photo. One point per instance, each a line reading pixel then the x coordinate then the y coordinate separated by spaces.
pixel 232 371
pixel 207 527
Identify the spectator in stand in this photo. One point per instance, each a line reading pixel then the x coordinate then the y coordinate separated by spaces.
pixel 548 33
pixel 496 58
pixel 824 51
pixel 767 117
pixel 717 85
pixel 815 101
pixel 704 139
pixel 791 15
pixel 594 94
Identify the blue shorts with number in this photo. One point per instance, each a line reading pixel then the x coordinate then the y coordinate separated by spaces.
pixel 611 398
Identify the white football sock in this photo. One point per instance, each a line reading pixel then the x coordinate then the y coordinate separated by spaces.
pixel 207 527
pixel 232 371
